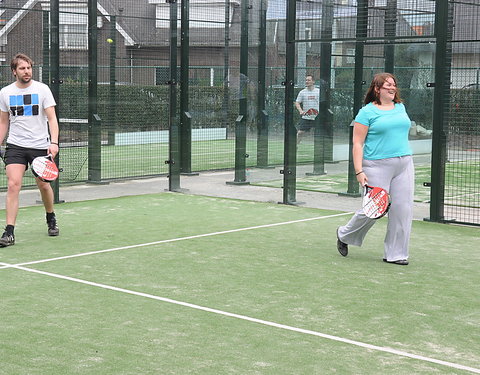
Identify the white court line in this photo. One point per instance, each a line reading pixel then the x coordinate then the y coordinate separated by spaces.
pixel 177 239
pixel 216 173
pixel 253 320
pixel 461 196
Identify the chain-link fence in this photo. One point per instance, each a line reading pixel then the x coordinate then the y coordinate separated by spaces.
pixel 222 86
pixel 462 169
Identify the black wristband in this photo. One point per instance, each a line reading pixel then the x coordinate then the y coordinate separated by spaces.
pixel 356 174
pixel 54 143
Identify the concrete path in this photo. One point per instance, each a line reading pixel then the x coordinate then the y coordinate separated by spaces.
pixel 211 184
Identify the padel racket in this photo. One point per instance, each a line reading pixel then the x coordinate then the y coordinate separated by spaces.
pixel 45 168
pixel 376 202
pixel 311 112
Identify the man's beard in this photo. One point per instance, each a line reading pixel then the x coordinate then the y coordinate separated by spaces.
pixel 25 80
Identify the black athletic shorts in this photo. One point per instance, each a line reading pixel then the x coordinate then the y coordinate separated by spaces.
pixel 305 125
pixel 21 155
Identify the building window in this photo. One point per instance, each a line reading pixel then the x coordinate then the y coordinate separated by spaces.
pixel 350 56
pixel 73 36
pixel 73 24
pixel 203 14
pixel 308 36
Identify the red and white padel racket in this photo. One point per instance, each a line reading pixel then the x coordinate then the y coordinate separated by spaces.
pixel 45 168
pixel 376 202
pixel 311 112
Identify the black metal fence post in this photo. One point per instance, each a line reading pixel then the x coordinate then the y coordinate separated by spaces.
pixel 185 115
pixel 443 29
pixel 241 122
pixel 361 34
pixel 94 123
pixel 112 102
pixel 55 77
pixel 290 137
pixel 390 33
pixel 174 161
pixel 226 68
pixel 46 48
pixel 262 115
pixel 323 136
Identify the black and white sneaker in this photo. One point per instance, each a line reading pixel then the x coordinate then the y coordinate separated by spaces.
pixel 52 227
pixel 7 240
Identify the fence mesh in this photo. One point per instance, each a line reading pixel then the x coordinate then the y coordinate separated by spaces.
pixel 462 177
pixel 133 96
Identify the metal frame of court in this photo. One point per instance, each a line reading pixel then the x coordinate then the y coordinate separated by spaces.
pixel 385 40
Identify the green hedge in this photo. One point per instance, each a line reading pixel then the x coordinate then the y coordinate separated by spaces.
pixel 142 108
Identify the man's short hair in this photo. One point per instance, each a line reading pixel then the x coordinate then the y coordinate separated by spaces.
pixel 20 56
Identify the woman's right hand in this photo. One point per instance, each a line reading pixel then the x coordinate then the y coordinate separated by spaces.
pixel 362 178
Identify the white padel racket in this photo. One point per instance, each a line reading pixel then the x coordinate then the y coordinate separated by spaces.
pixel 376 202
pixel 45 168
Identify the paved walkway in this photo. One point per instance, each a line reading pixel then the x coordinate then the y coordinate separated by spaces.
pixel 210 184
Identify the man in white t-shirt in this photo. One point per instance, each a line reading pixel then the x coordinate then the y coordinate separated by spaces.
pixel 307 104
pixel 27 114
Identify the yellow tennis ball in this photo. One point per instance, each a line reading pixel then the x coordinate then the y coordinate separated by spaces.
pixel 110 40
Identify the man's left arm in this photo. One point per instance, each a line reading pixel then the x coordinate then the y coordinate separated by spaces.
pixel 53 128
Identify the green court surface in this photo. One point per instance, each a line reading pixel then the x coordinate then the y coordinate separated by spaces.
pixel 179 284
